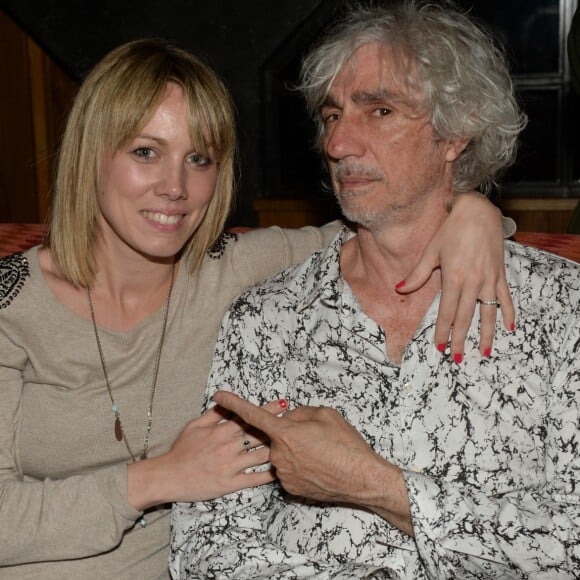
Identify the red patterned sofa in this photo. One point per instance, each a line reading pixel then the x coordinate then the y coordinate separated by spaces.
pixel 18 237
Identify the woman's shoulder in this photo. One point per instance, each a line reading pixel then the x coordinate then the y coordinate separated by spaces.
pixel 14 273
pixel 280 246
pixel 224 244
pixel 248 255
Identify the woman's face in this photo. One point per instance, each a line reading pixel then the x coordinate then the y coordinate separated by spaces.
pixel 154 191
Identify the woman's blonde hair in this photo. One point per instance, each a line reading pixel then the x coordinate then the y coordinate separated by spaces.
pixel 115 101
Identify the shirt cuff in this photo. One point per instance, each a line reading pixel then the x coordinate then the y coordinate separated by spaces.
pixel 509 226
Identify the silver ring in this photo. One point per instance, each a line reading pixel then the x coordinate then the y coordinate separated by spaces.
pixel 489 302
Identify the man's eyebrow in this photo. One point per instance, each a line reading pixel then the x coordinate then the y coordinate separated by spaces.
pixel 363 98
pixel 329 102
pixel 371 97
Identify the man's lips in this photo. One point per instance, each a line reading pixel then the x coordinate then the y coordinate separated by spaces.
pixel 355 181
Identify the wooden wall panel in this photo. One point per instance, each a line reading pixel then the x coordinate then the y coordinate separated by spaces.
pixel 17 155
pixel 34 101
pixel 550 215
pixel 531 215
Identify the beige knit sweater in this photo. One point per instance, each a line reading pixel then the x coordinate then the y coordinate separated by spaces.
pixel 63 477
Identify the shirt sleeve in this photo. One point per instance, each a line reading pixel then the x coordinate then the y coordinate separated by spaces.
pixel 47 520
pixel 526 533
pixel 228 537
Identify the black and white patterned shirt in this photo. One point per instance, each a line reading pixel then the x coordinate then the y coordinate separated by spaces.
pixel 490 448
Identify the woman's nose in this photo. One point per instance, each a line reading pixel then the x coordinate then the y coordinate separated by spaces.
pixel 172 183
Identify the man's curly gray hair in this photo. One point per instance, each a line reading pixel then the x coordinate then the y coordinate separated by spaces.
pixel 461 74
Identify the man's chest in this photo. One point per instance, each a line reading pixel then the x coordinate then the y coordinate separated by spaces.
pixel 428 414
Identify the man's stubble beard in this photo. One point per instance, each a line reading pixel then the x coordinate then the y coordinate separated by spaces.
pixel 377 218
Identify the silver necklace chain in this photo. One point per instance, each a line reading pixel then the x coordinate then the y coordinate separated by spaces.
pixel 119 431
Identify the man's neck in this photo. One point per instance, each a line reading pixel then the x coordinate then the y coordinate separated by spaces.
pixel 374 262
pixel 392 249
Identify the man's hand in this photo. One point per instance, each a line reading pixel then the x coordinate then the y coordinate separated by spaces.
pixel 469 248
pixel 208 459
pixel 319 455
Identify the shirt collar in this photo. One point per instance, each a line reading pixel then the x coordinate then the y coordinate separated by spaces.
pixel 324 280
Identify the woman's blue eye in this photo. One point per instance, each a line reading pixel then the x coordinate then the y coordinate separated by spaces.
pixel 143 152
pixel 199 159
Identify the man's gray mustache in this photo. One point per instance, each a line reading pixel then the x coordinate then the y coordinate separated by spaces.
pixel 344 169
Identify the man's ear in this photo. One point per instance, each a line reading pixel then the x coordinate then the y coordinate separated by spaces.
pixel 455 148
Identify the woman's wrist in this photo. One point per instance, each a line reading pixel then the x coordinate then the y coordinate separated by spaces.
pixel 146 483
pixel 470 198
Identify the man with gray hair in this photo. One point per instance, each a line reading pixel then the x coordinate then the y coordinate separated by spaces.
pixel 395 460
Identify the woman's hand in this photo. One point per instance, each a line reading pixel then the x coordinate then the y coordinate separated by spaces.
pixel 319 455
pixel 469 249
pixel 211 457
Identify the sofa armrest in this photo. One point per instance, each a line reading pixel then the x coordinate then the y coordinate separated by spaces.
pixel 565 245
pixel 19 237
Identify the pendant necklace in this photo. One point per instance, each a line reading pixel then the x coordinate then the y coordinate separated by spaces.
pixel 120 434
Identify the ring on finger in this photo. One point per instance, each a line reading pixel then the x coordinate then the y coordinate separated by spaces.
pixel 489 302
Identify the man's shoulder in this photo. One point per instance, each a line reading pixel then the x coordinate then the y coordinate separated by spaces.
pixel 540 265
pixel 542 280
pixel 294 287
pixel 291 285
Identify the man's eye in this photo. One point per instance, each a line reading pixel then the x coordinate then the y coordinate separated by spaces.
pixel 330 118
pixel 382 112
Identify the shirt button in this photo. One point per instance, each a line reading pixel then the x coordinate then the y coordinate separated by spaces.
pixel 408 387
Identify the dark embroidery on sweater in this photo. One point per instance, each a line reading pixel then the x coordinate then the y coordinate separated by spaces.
pixel 218 249
pixel 13 272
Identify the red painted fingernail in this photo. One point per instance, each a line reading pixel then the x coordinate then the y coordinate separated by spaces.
pixel 283 403
pixel 441 347
pixel 457 357
pixel 487 351
pixel 400 284
pixel 513 326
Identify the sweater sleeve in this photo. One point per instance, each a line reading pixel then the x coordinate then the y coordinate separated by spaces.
pixel 52 519
pixel 263 252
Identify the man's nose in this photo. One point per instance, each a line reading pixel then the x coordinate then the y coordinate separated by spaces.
pixel 344 138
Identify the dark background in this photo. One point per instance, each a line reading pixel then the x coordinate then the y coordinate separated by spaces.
pixel 256 47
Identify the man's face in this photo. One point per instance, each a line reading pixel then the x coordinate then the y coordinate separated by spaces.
pixel 383 156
